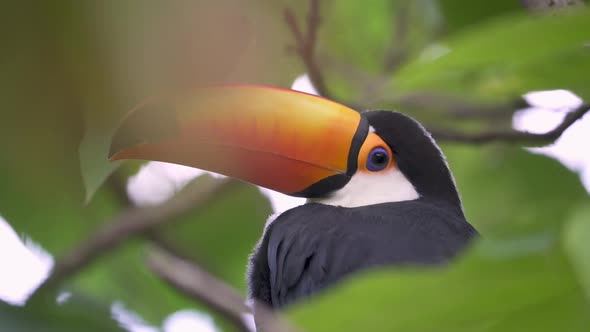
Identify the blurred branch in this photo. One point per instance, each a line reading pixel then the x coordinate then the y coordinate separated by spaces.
pixel 397 52
pixel 512 136
pixel 195 282
pixel 545 5
pixel 458 107
pixel 133 222
pixel 305 43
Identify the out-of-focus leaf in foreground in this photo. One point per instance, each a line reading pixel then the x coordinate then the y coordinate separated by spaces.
pixel 535 291
pixel 506 190
pixel 156 48
pixel 577 245
pixel 73 315
pixel 461 14
pixel 42 194
pixel 506 57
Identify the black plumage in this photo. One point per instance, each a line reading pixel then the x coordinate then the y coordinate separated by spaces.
pixel 313 246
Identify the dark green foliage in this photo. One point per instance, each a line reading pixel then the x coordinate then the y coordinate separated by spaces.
pixel 75 314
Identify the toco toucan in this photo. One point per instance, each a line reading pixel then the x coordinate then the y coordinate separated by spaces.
pixel 380 191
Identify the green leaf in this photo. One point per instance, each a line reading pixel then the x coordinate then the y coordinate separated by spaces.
pixel 74 315
pixel 577 246
pixel 42 194
pixel 507 190
pixel 461 14
pixel 568 312
pixel 506 57
pixel 157 48
pixel 478 293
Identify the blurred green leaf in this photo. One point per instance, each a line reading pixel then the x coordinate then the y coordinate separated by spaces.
pixel 73 315
pixel 507 190
pixel 577 245
pixel 507 57
pixel 460 14
pixel 478 293
pixel 42 194
pixel 153 48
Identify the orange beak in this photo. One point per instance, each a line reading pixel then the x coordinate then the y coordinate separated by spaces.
pixel 288 141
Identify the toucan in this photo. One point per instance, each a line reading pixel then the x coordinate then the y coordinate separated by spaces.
pixel 380 192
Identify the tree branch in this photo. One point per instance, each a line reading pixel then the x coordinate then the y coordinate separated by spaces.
pixel 512 136
pixel 195 282
pixel 545 5
pixel 397 52
pixel 133 222
pixel 458 108
pixel 305 44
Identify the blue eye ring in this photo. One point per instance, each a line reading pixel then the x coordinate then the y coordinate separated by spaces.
pixel 377 159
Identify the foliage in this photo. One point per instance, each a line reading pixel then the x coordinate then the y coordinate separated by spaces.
pixel 71 69
pixel 75 314
pixel 502 58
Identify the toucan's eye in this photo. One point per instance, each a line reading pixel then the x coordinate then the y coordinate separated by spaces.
pixel 378 159
pixel 375 155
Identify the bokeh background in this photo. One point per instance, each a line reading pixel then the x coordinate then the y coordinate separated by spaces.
pixel 69 70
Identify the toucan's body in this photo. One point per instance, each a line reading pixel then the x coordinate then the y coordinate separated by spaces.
pixel 312 246
pixel 380 191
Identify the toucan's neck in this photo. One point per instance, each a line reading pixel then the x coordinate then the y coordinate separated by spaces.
pixel 418 157
pixel 432 179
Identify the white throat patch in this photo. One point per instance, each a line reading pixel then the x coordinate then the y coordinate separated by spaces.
pixel 372 188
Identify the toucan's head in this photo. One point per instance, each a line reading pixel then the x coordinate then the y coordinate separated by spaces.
pixel 292 142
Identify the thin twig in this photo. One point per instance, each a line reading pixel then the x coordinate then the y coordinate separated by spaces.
pixel 456 107
pixel 397 52
pixel 133 222
pixel 546 5
pixel 305 44
pixel 291 21
pixel 195 282
pixel 512 136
